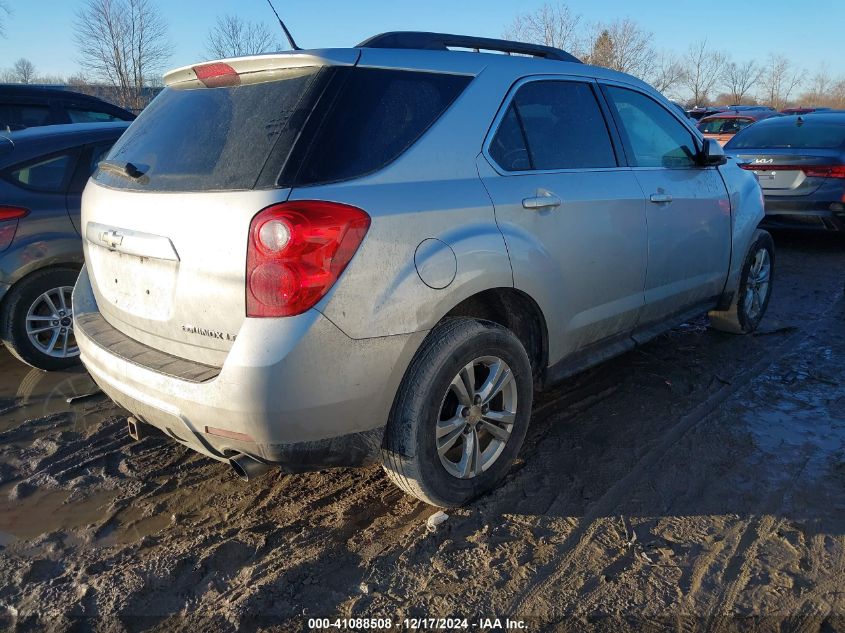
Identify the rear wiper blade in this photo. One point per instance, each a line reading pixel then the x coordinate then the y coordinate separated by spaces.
pixel 128 170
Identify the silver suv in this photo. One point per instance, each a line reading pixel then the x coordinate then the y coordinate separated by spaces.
pixel 333 257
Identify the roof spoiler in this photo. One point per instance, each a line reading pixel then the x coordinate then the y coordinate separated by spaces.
pixel 419 40
pixel 258 68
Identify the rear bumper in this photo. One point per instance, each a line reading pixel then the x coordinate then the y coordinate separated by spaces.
pixel 810 214
pixel 296 392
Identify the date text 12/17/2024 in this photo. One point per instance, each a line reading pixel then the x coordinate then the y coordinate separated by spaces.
pixel 419 624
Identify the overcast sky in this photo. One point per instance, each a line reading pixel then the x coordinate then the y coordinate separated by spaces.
pixel 809 33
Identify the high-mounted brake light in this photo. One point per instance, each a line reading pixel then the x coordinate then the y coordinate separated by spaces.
pixel 296 252
pixel 811 171
pixel 217 74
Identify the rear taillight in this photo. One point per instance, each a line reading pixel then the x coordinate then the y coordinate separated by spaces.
pixel 12 213
pixel 9 217
pixel 811 171
pixel 296 252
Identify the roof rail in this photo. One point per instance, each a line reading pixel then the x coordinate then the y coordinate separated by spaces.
pixel 442 42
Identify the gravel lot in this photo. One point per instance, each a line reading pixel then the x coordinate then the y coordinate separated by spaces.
pixel 697 483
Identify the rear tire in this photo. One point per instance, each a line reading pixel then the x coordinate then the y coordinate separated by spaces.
pixel 32 301
pixel 754 290
pixel 433 432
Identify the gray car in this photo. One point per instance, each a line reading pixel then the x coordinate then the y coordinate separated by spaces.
pixel 333 257
pixel 800 163
pixel 42 174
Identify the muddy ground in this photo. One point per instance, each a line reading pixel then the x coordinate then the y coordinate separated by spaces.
pixel 695 484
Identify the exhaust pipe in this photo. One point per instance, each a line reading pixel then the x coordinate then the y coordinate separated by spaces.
pixel 246 467
pixel 134 426
pixel 139 430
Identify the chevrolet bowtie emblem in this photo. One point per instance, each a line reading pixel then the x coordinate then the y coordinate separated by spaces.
pixel 112 239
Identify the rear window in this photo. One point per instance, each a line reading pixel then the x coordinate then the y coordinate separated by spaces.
pixel 787 134
pixel 728 125
pixel 207 139
pixel 313 127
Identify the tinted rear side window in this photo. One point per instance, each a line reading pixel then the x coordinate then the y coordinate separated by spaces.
pixel 44 174
pixel 563 125
pixel 20 116
pixel 206 139
pixel 787 134
pixel 367 119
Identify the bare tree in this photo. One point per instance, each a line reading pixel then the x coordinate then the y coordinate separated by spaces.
pixel 703 70
pixel 779 80
pixel 740 79
pixel 666 73
pixel 836 97
pixel 23 71
pixel 5 12
pixel 551 25
pixel 234 37
pixel 621 45
pixel 122 42
pixel 819 92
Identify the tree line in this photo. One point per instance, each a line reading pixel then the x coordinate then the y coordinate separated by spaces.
pixel 701 75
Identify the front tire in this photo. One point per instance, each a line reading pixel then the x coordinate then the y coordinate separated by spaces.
pixel 754 290
pixel 461 413
pixel 37 322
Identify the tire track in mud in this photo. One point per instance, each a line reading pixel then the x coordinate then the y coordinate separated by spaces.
pixel 736 572
pixel 553 577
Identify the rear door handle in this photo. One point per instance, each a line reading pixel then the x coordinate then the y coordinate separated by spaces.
pixel 659 198
pixel 542 202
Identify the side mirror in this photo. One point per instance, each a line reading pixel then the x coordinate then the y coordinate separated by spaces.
pixel 711 153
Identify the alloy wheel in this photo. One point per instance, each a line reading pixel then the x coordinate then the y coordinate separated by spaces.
pixel 476 417
pixel 757 286
pixel 49 323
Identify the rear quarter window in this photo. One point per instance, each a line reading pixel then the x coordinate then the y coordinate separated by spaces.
pixel 369 117
pixel 44 174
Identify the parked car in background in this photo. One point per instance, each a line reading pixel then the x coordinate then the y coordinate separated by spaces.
pixel 722 126
pixel 42 174
pixel 807 110
pixel 740 108
pixel 699 112
pixel 800 163
pixel 351 280
pixel 24 106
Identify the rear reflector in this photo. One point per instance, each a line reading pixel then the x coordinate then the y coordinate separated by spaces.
pixel 811 171
pixel 232 435
pixel 217 74
pixel 296 252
